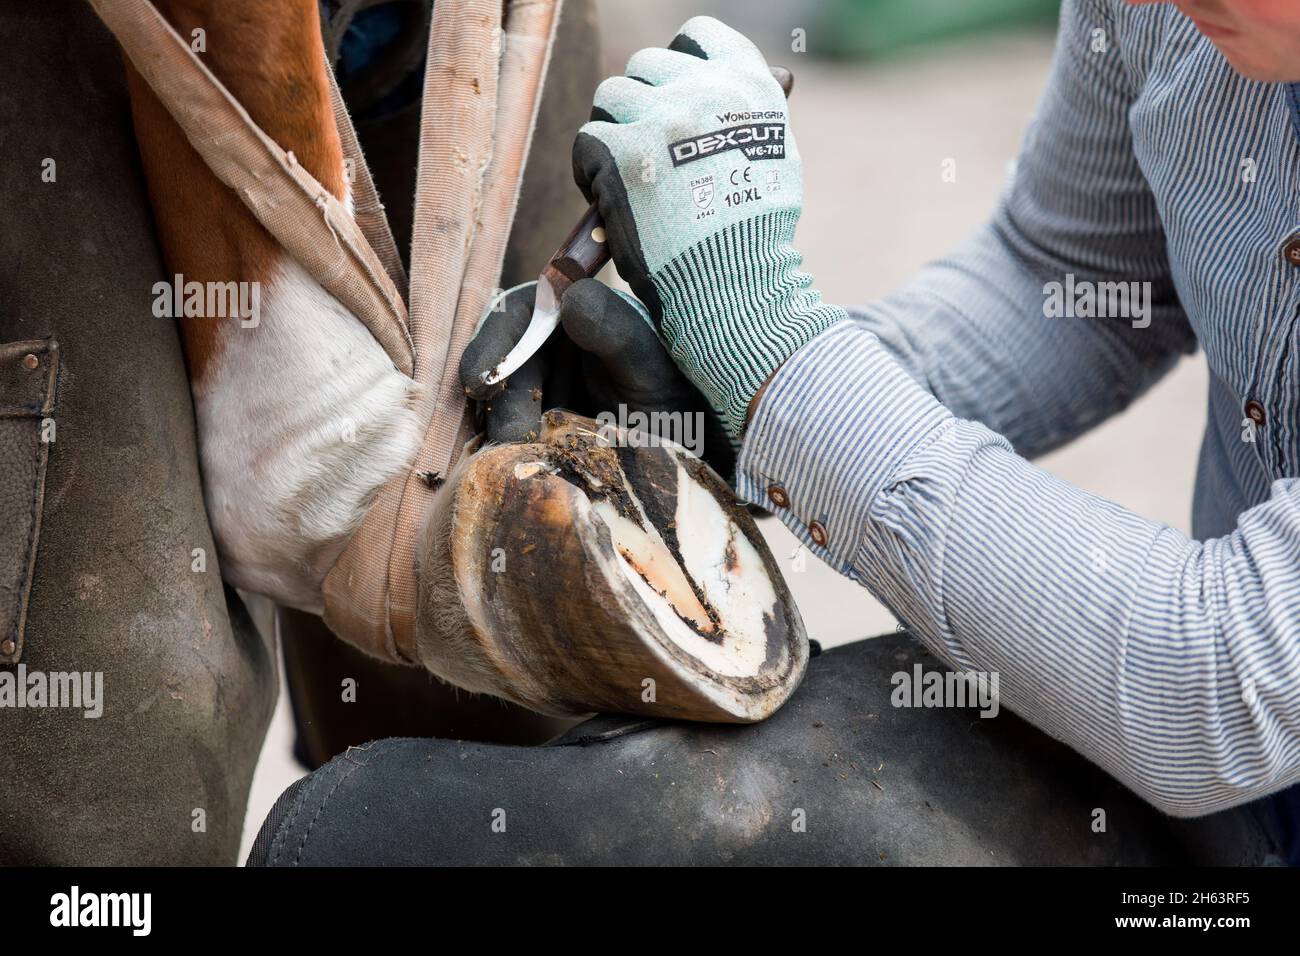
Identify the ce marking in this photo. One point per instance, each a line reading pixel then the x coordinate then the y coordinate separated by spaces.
pixel 742 174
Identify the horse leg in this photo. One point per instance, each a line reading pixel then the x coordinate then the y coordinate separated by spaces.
pixel 302 416
pixel 395 701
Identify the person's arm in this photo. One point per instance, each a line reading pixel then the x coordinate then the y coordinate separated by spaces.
pixel 1173 664
pixel 972 328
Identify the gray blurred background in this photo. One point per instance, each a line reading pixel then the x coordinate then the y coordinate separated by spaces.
pixel 885 92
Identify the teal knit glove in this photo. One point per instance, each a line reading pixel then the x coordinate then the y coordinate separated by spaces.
pixel 691 162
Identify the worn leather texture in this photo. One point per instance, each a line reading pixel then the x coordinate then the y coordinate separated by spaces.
pixel 871 783
pixel 162 776
pixel 29 373
pixel 391 699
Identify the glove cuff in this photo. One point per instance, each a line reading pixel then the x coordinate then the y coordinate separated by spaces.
pixel 736 306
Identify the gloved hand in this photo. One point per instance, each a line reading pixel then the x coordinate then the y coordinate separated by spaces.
pixel 605 355
pixel 691 162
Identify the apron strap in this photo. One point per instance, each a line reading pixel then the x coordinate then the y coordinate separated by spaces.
pixel 525 57
pixel 482 90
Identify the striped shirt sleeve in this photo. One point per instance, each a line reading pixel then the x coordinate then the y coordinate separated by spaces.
pixel 1170 663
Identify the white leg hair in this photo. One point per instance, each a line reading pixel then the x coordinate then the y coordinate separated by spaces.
pixel 302 420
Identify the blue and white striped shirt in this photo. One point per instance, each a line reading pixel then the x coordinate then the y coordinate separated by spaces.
pixel 904 432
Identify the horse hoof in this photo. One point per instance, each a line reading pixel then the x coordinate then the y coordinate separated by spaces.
pixel 592 571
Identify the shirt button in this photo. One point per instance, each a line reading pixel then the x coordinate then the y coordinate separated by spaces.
pixel 1255 412
pixel 778 496
pixel 1291 251
pixel 817 532
pixel 1249 695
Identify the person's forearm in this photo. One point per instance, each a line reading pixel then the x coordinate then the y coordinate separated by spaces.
pixel 1162 659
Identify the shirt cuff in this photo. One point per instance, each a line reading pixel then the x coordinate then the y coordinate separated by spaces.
pixel 837 421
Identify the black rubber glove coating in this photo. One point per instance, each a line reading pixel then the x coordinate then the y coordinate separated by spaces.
pixel 605 355
pixel 625 361
pixel 597 175
pixel 512 409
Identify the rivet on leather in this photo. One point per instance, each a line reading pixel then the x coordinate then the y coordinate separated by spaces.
pixel 28 379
